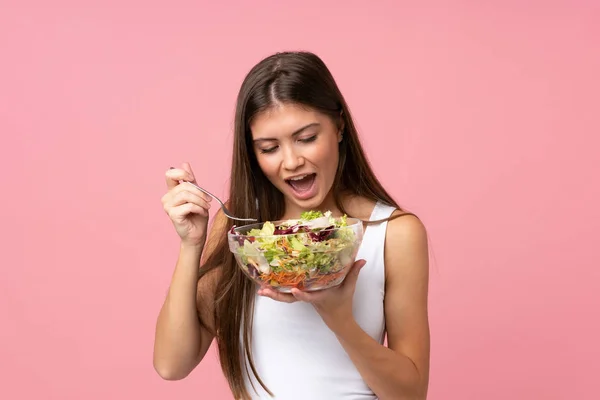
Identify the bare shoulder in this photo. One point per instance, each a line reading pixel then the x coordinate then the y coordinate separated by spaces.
pixel 403 226
pixel 406 290
pixel 406 247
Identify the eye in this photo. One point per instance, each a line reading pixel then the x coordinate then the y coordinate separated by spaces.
pixel 268 150
pixel 309 139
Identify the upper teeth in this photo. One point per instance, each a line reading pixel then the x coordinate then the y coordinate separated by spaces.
pixel 297 178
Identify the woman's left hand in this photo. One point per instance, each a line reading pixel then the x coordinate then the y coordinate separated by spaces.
pixel 334 305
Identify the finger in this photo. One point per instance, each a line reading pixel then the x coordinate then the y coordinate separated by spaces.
pixel 188 168
pixel 182 194
pixel 301 296
pixel 277 296
pixel 185 187
pixel 174 176
pixel 190 187
pixel 185 196
pixel 352 276
pixel 187 209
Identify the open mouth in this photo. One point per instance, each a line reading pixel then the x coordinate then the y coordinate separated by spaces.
pixel 302 184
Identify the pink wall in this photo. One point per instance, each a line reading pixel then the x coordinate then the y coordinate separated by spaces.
pixel 481 117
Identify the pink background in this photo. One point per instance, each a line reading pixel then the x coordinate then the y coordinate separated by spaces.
pixel 482 117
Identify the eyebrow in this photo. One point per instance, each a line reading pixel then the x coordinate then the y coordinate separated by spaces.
pixel 296 132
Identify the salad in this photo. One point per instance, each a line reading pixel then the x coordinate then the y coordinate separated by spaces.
pixel 309 253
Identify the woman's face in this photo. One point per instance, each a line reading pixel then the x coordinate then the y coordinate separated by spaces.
pixel 297 150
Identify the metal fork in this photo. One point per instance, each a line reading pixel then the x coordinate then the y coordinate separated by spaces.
pixel 225 210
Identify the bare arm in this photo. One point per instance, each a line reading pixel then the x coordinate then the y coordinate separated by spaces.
pixel 180 340
pixel 402 370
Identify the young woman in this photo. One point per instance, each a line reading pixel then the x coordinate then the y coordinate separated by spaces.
pixel 296 149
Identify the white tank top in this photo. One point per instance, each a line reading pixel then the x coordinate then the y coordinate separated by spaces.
pixel 296 354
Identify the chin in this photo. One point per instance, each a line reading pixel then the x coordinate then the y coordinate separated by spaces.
pixel 310 204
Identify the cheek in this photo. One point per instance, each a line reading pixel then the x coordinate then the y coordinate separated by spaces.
pixel 326 157
pixel 268 166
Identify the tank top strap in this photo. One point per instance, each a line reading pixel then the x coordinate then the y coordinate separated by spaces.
pixel 375 231
pixel 381 211
pixel 373 245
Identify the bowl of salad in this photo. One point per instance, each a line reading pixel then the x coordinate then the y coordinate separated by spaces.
pixel 311 253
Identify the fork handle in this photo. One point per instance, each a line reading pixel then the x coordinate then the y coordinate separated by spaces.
pixel 204 191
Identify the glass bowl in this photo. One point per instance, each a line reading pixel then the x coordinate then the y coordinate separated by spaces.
pixel 310 256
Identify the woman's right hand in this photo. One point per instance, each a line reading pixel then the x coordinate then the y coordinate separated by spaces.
pixel 186 205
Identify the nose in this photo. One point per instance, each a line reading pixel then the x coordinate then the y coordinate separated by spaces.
pixel 291 159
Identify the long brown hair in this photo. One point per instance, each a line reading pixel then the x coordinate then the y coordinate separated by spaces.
pixel 289 77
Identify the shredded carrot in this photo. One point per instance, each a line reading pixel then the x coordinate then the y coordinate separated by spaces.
pixel 299 279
